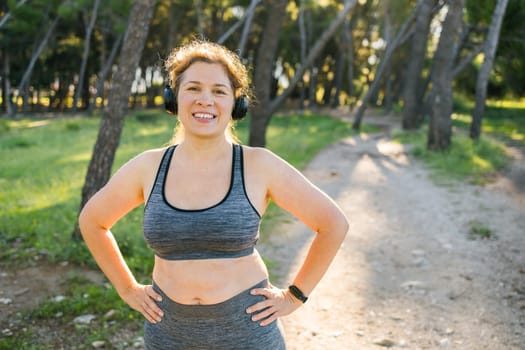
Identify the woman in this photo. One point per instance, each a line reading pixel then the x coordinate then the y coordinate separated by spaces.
pixel 204 197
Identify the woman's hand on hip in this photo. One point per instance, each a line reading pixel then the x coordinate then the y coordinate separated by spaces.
pixel 278 303
pixel 143 299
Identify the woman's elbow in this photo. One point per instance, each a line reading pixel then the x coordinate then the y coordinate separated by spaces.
pixel 83 221
pixel 86 222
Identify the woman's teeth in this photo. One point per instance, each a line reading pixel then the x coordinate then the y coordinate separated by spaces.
pixel 204 115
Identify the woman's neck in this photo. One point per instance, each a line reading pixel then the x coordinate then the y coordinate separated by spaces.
pixel 205 148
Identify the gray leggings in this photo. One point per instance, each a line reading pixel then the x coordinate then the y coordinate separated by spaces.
pixel 222 326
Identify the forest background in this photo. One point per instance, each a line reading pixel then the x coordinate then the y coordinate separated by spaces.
pixel 436 64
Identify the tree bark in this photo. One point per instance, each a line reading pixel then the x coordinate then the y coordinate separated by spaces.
pixel 303 48
pixel 491 46
pixel 338 78
pixel 412 97
pixel 85 54
pixel 389 33
pixel 260 114
pixel 112 122
pixel 348 43
pixel 440 101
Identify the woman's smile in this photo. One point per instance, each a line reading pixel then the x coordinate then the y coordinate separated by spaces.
pixel 203 116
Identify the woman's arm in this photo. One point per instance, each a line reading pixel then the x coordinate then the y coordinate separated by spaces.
pixel 290 190
pixel 121 194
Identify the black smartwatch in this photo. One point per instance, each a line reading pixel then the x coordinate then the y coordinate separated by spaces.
pixel 296 292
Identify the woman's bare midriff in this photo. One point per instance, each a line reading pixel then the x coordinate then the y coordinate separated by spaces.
pixel 208 281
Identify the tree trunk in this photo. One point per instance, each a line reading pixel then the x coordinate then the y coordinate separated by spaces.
pixel 303 46
pixel 85 55
pixel 174 12
pixel 7 96
pixel 440 101
pixel 247 27
pixel 312 87
pixel 36 54
pixel 484 72
pixel 200 19
pixel 260 114
pixel 112 121
pixel 412 104
pixel 338 79
pixel 389 33
pixel 390 47
pixel 348 43
pixel 102 76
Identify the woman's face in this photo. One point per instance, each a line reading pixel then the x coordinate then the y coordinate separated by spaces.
pixel 205 100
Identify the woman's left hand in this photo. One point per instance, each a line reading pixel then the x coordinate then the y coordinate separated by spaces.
pixel 278 303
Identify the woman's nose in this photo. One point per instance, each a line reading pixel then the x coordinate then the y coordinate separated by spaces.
pixel 204 99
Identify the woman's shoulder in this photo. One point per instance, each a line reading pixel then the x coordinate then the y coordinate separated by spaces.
pixel 257 154
pixel 261 155
pixel 148 158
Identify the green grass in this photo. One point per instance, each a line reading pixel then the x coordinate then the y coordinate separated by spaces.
pixel 504 120
pixel 476 161
pixel 478 230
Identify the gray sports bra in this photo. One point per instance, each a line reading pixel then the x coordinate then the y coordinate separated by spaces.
pixel 228 229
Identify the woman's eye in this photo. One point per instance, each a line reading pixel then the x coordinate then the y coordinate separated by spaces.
pixel 220 92
pixel 192 88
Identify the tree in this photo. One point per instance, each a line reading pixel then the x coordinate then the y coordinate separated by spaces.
pixel 24 82
pixel 264 69
pixel 266 107
pixel 112 122
pixel 87 42
pixel 491 45
pixel 104 71
pixel 413 94
pixel 440 99
pixel 390 47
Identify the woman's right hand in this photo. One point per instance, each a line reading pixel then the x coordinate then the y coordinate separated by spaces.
pixel 143 299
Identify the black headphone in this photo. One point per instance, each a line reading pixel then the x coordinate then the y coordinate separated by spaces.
pixel 240 107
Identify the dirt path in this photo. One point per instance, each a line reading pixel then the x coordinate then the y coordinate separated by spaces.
pixel 409 274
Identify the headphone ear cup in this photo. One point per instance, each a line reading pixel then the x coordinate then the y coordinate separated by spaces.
pixel 241 108
pixel 170 102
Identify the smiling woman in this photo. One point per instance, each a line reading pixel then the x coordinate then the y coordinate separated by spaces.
pixel 204 198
